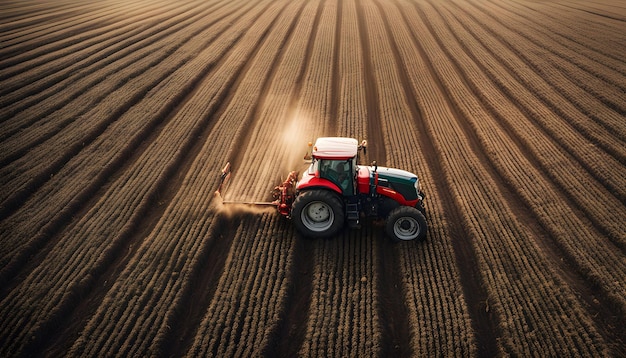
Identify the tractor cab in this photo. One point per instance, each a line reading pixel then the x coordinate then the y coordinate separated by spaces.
pixel 339 172
pixel 333 166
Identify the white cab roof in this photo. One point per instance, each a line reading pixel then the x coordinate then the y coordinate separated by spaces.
pixel 335 148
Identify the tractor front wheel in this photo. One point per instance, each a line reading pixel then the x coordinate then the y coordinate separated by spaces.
pixel 317 214
pixel 406 223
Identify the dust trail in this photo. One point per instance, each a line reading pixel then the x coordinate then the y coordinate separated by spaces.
pixel 230 210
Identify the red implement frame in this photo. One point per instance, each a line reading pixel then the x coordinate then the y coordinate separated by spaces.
pixel 283 194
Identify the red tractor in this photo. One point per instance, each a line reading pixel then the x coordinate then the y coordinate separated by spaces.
pixel 336 190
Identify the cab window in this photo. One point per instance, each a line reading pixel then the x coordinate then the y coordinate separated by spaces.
pixel 339 172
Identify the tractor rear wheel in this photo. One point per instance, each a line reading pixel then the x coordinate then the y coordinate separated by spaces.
pixel 406 223
pixel 317 214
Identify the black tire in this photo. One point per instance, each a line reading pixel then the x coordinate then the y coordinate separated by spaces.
pixel 406 223
pixel 317 214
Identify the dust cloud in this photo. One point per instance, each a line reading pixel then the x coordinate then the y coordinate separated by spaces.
pixel 289 147
pixel 294 140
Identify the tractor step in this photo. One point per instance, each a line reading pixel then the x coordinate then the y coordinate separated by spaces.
pixel 352 214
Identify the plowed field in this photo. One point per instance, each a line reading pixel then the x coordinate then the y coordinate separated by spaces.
pixel 117 116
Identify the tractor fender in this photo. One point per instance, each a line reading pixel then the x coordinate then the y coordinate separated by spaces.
pixel 318 183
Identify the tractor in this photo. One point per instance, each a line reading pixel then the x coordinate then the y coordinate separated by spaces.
pixel 335 190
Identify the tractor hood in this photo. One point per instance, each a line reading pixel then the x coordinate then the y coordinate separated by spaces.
pixel 397 175
pixel 406 183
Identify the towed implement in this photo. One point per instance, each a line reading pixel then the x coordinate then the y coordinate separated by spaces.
pixel 336 191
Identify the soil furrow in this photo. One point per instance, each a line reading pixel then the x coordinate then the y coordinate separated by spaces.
pixel 16 18
pixel 184 220
pixel 375 149
pixel 491 251
pixel 181 303
pixel 219 113
pixel 137 215
pixel 602 308
pixel 610 71
pixel 396 340
pixel 484 322
pixel 21 183
pixel 289 334
pixel 70 210
pixel 30 104
pixel 587 31
pixel 255 113
pixel 599 11
pixel 596 164
pixel 156 209
pixel 335 91
pixel 32 37
pixel 593 33
pixel 205 280
pixel 550 97
pixel 44 52
pixel 577 282
pixel 51 167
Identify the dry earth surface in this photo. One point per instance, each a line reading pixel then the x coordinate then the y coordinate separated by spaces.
pixel 116 117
